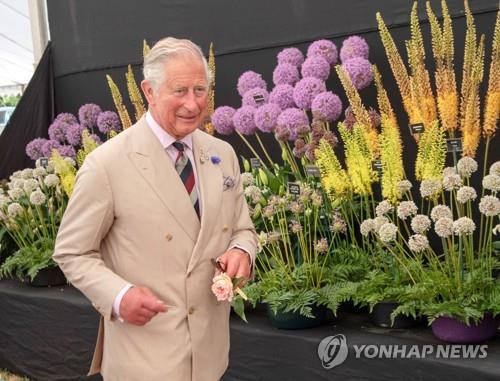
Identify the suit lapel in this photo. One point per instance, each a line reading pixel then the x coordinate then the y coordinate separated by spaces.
pixel 156 167
pixel 210 187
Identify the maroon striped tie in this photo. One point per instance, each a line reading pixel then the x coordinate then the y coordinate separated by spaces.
pixel 185 171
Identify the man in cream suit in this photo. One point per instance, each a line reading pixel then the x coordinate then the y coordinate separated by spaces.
pixel 150 209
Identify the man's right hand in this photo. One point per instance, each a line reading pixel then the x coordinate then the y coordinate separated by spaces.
pixel 139 305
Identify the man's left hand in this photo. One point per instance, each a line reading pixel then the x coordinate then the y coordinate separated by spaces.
pixel 236 263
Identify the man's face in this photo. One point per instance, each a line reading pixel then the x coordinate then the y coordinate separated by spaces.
pixel 179 104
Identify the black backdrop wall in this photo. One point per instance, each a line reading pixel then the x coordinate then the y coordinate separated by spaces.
pixel 93 38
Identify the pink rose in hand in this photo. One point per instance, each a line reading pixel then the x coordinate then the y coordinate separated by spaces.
pixel 222 287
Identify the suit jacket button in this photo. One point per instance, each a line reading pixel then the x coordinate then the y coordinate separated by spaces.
pixel 191 310
pixel 225 228
pixel 169 237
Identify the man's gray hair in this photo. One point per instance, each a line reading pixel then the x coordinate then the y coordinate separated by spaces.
pixel 164 50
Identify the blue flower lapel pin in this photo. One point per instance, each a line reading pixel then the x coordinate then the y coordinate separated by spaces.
pixel 228 182
pixel 215 159
pixel 204 157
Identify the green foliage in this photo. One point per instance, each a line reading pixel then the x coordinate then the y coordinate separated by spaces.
pixel 9 100
pixel 29 260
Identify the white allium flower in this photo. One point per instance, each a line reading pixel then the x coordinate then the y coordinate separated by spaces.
pixel 27 173
pixel 495 168
pixel 452 182
pixel 16 175
pixel 404 186
pixel 449 171
pixel 418 243
pixel 367 227
pixel 492 183
pixel 420 223
pixel 273 236
pixel 39 172
pixel 70 161
pixel 17 184
pixel 444 227
pixel 247 179
pixel 14 209
pixel 379 221
pixel 321 246
pixel 388 232
pixel 338 225
pixel 441 211
pixel 316 199
pixel 296 207
pixel 383 208
pixel 30 185
pixel 465 194
pixel 295 226
pixel 38 197
pixel 4 200
pixel 407 209
pixel 253 193
pixel 466 166
pixel 489 206
pixel 430 188
pixel 16 193
pixel 464 226
pixel 51 180
pixel 50 167
pixel 269 211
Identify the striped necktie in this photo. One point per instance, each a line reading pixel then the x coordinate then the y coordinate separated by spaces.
pixel 185 170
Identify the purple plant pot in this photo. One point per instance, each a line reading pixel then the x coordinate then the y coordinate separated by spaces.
pixel 454 331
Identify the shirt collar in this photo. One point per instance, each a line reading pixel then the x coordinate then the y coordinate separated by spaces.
pixel 164 137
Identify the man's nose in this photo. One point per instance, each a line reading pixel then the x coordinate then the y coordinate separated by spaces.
pixel 190 102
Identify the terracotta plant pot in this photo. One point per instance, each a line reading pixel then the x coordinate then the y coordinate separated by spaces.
pixel 452 330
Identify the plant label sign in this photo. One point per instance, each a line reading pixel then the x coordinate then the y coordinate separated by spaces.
pixel 377 166
pixel 454 144
pixel 44 162
pixel 294 189
pixel 312 170
pixel 255 163
pixel 259 99
pixel 416 128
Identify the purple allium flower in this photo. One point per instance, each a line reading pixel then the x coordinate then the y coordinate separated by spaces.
pixel 267 116
pixel 294 120
pixel 57 131
pixel 359 71
pixel 281 133
pixel 222 119
pixel 74 134
pixel 34 149
pixel 310 151
pixel 249 80
pixel 293 56
pixel 48 146
pixel 326 106
pixel 88 114
pixel 67 151
pixel 67 118
pixel 243 120
pixel 282 95
pixel 325 49
pixel 305 90
pixel 331 138
pixel 285 74
pixel 96 138
pixel 354 46
pixel 108 121
pixel 255 97
pixel 316 66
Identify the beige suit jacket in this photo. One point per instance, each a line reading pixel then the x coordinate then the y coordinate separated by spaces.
pixel 130 219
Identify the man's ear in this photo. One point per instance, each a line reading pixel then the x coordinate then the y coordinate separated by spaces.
pixel 148 91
